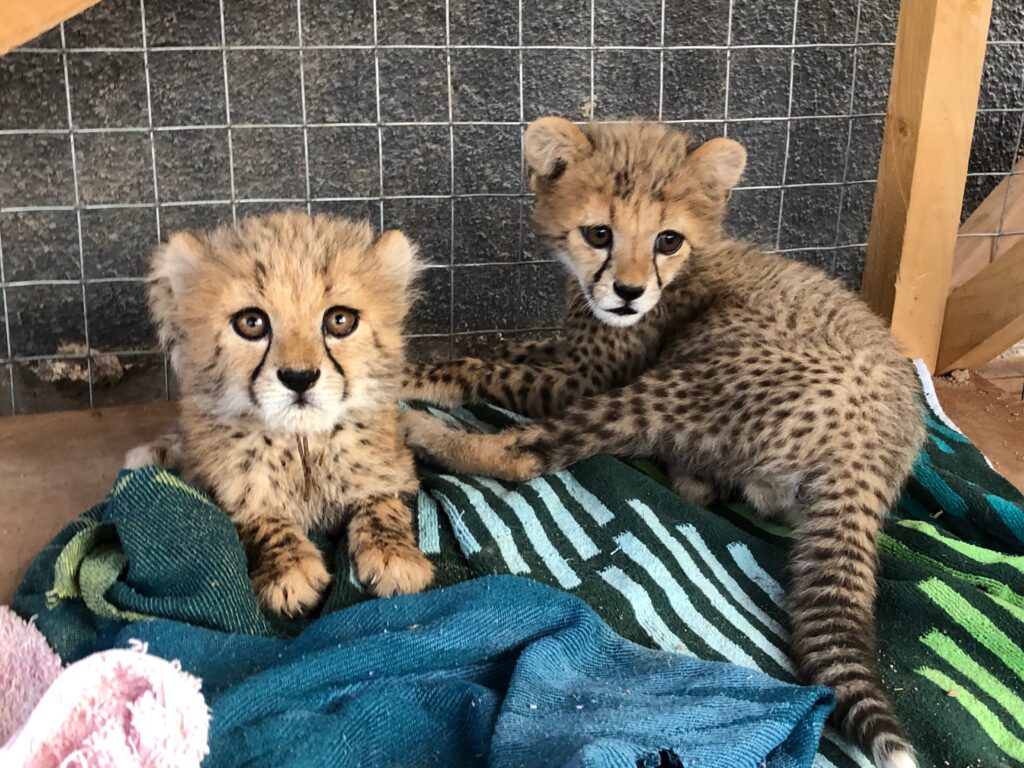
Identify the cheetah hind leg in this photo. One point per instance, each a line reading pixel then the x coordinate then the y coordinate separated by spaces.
pixel 688 485
pixel 775 498
pixel 166 451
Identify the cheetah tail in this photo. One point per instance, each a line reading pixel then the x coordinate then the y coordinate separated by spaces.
pixel 831 596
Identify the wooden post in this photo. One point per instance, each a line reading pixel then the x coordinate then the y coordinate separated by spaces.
pixel 936 77
pixel 22 20
pixel 985 315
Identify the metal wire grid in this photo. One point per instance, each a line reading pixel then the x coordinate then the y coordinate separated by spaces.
pixel 1015 177
pixel 308 199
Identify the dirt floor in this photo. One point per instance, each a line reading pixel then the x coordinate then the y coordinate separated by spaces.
pixel 56 465
pixel 992 417
pixel 53 466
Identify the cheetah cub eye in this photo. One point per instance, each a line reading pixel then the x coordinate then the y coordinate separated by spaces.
pixel 599 236
pixel 668 242
pixel 251 324
pixel 340 322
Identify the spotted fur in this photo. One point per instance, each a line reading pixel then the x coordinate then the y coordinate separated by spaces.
pixel 279 461
pixel 744 373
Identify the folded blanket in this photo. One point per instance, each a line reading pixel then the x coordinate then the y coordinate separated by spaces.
pixel 115 709
pixel 499 671
pixel 660 571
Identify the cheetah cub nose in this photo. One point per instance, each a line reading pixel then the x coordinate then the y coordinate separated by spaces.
pixel 298 381
pixel 629 292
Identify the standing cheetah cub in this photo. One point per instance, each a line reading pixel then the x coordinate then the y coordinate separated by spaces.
pixel 285 333
pixel 741 371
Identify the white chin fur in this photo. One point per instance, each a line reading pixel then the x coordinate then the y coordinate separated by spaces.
pixel 900 759
pixel 617 321
pixel 322 412
pixel 305 420
pixel 606 317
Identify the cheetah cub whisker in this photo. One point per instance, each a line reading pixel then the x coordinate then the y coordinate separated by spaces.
pixel 285 333
pixel 743 372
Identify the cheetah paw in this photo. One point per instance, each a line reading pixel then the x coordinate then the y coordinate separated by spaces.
pixel 295 588
pixel 145 455
pixel 698 492
pixel 395 570
pixel 422 429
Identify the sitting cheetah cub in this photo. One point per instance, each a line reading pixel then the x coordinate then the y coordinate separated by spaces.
pixel 743 372
pixel 285 333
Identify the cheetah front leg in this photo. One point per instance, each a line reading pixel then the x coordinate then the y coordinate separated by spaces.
pixel 383 548
pixel 627 421
pixel 286 569
pixel 532 352
pixel 528 389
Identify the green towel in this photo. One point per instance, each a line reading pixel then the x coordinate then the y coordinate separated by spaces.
pixel 660 571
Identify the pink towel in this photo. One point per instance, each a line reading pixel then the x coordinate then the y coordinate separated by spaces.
pixel 115 709
pixel 27 668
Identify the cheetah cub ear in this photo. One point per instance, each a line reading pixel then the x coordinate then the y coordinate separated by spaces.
pixel 171 270
pixel 396 260
pixel 551 145
pixel 718 165
pixel 176 261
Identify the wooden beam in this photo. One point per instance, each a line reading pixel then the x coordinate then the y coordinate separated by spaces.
pixel 1003 206
pixel 940 48
pixel 985 315
pixel 22 20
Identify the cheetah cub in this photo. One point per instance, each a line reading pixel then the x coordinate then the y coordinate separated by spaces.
pixel 744 373
pixel 285 333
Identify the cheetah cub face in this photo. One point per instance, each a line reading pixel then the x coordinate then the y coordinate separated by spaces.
pixel 626 205
pixel 288 319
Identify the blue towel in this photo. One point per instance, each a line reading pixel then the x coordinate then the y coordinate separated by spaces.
pixel 500 671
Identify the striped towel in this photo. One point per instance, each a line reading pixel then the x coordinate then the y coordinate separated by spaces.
pixel 661 572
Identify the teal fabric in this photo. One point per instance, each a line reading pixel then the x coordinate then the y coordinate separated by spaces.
pixel 176 555
pixel 661 572
pixel 498 671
